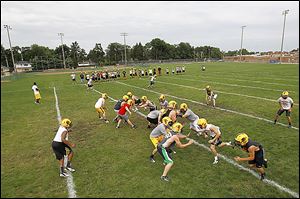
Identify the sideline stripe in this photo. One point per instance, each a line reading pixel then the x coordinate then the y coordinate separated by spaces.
pixel 236 85
pixel 222 109
pixel 70 183
pixel 241 80
pixel 250 96
pixel 270 182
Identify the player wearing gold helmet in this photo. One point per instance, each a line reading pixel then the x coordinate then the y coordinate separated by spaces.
pixel 256 153
pixel 100 107
pixel 286 104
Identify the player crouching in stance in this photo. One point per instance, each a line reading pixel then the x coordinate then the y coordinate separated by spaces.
pixel 118 106
pixel 123 113
pixel 100 108
pixel 187 113
pixel 215 135
pixel 286 104
pixel 59 143
pixel 210 96
pixel 164 147
pixel 256 153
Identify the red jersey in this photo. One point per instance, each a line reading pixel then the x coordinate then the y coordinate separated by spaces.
pixel 122 110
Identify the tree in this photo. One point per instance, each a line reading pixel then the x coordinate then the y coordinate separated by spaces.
pixel 75 51
pixel 96 54
pixel 138 52
pixel 115 53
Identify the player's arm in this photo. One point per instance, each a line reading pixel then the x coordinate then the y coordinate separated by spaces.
pixel 63 139
pixel 251 150
pixel 179 144
pixel 127 109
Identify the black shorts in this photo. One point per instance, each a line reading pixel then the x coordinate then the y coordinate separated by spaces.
pixel 259 159
pixel 73 79
pixel 59 148
pixel 151 83
pixel 152 121
pixel 90 85
pixel 217 142
pixel 280 111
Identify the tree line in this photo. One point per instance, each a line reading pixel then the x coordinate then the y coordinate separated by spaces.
pixel 42 57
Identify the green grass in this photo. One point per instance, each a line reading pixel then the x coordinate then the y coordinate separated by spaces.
pixel 114 162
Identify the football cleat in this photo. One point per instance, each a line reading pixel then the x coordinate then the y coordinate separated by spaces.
pixel 152 159
pixel 165 178
pixel 64 175
pixel 70 169
pixel 262 176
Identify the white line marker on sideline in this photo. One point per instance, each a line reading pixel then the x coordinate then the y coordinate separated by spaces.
pixel 70 183
pixel 250 96
pixel 227 110
pixel 270 182
pixel 235 85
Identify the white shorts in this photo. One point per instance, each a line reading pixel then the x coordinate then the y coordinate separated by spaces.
pixel 195 126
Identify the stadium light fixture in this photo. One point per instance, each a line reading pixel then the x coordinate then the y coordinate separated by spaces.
pixel 62 48
pixel 241 53
pixel 124 34
pixel 12 54
pixel 283 13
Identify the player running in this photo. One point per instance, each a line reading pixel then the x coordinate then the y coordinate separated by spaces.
pixel 164 148
pixel 256 153
pixel 215 135
pixel 187 113
pixel 152 81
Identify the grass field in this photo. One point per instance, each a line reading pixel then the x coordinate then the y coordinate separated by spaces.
pixel 112 162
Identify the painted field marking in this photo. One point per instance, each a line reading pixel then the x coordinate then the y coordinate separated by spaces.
pixel 70 182
pixel 234 85
pixel 267 181
pixel 241 80
pixel 222 109
pixel 249 96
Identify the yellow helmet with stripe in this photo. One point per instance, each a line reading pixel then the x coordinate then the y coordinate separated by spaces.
pixel 172 104
pixel 285 93
pixel 130 102
pixel 162 97
pixel 66 123
pixel 207 87
pixel 183 106
pixel 129 94
pixel 104 95
pixel 242 139
pixel 167 121
pixel 125 97
pixel 202 122
pixel 144 98
pixel 177 127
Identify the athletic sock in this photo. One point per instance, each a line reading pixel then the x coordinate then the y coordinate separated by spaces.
pixel 216 158
pixel 61 169
pixel 68 164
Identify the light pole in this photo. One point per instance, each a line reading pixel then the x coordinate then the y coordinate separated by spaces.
pixel 12 54
pixel 125 34
pixel 62 48
pixel 242 43
pixel 283 13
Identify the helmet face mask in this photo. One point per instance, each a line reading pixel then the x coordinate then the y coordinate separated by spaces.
pixel 202 123
pixel 241 139
pixel 66 123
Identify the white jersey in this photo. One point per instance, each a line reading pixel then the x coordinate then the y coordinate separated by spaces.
pixel 87 77
pixel 286 103
pixel 210 132
pixel 73 76
pixel 34 87
pixel 100 103
pixel 90 82
pixel 59 132
pixel 152 79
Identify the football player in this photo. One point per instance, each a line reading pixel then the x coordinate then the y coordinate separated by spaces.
pixel 210 96
pixel 100 107
pixel 286 104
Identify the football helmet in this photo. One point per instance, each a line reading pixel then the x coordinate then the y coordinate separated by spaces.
pixel 66 123
pixel 242 139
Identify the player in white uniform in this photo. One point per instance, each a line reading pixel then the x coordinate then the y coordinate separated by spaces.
pixel 73 76
pixel 215 135
pixel 152 81
pixel 286 104
pixel 59 143
pixel 36 93
pixel 100 107
pixel 210 96
pixel 90 84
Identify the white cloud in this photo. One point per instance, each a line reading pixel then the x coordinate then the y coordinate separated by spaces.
pixel 199 23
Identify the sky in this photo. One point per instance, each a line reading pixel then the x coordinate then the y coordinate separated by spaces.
pixel 213 23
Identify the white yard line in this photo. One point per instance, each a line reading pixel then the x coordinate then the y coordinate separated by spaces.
pixel 241 80
pixel 234 85
pixel 270 182
pixel 70 182
pixel 227 110
pixel 250 96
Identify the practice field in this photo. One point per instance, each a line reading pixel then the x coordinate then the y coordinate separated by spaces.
pixel 112 162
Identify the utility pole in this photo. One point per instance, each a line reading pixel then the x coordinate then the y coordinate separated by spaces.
pixel 283 13
pixel 124 34
pixel 242 43
pixel 12 54
pixel 62 48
